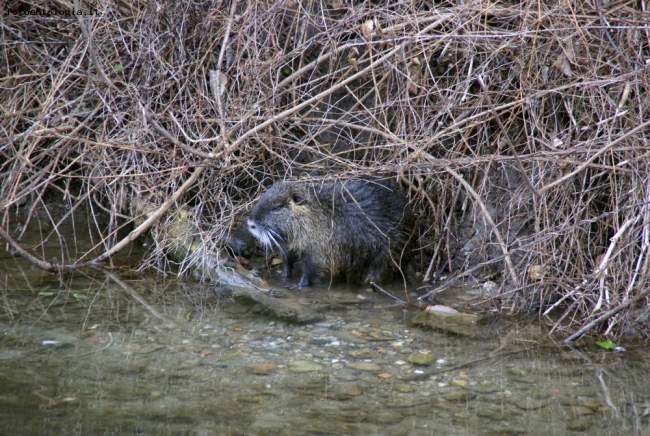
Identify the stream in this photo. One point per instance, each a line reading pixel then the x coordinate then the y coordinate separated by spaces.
pixel 99 352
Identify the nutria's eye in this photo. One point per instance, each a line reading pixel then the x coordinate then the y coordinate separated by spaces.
pixel 278 205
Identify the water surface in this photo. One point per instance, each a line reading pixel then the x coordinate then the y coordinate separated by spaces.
pixel 98 353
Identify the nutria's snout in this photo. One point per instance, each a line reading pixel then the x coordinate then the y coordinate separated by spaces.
pixel 362 230
pixel 268 238
pixel 259 232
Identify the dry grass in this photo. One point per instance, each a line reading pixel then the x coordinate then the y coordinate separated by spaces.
pixel 521 128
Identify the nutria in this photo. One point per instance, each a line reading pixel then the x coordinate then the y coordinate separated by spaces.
pixel 361 230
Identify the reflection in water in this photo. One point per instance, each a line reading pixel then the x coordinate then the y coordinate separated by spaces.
pixel 93 354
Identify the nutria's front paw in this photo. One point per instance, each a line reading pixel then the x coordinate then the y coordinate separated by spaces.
pixel 295 287
pixel 304 282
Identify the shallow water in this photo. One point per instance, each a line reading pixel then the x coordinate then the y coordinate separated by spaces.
pixel 122 354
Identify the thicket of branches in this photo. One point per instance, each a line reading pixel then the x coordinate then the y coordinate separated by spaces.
pixel 519 128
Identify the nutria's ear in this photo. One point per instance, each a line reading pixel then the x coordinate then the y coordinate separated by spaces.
pixel 297 198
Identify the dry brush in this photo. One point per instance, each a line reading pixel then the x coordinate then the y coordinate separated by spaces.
pixel 519 128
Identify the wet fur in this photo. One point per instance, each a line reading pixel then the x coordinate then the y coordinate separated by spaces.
pixel 361 230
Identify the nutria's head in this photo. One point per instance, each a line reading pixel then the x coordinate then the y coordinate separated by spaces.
pixel 280 214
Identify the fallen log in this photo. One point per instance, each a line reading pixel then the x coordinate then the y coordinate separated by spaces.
pixel 182 241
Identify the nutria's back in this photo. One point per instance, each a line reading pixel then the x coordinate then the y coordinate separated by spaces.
pixel 359 229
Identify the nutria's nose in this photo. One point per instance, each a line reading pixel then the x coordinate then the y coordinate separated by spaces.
pixel 251 224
